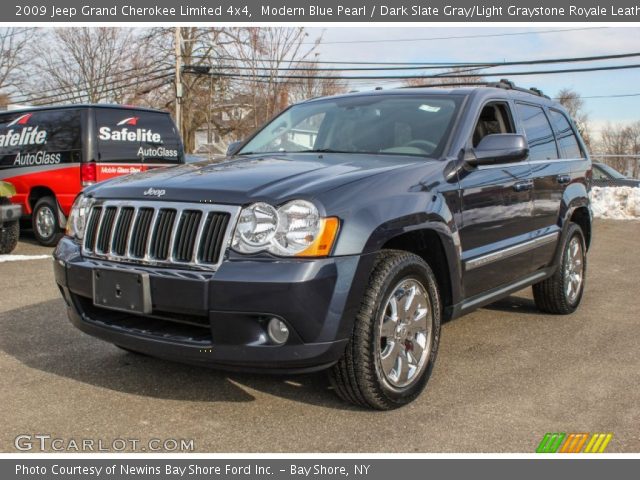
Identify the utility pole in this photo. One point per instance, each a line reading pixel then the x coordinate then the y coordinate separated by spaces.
pixel 178 42
pixel 209 130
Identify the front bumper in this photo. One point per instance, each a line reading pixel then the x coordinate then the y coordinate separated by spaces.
pixel 10 213
pixel 219 318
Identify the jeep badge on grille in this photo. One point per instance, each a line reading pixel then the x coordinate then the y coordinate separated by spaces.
pixel 152 192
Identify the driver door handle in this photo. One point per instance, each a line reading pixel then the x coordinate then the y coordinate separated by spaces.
pixel 523 186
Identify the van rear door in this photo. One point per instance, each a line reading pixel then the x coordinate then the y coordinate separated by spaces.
pixel 39 138
pixel 131 141
pixel 42 149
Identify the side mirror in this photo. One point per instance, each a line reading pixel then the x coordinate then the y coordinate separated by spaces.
pixel 499 148
pixel 233 148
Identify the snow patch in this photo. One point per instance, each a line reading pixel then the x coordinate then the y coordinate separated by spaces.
pixel 619 203
pixel 18 258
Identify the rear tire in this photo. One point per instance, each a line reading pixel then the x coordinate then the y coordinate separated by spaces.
pixel 9 235
pixel 44 220
pixel 561 293
pixel 394 343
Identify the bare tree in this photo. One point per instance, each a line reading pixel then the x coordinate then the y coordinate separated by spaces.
pixel 315 83
pixel 263 56
pixel 12 56
pixel 621 139
pixel 469 75
pixel 614 140
pixel 633 133
pixel 573 102
pixel 200 50
pixel 93 65
pixel 229 76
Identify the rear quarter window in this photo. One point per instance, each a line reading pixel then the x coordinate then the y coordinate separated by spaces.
pixel 131 136
pixel 567 141
pixel 46 137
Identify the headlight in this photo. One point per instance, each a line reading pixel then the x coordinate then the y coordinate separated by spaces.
pixel 294 229
pixel 77 221
pixel 256 227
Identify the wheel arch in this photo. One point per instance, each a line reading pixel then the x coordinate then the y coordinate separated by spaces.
pixel 438 249
pixel 582 217
pixel 40 191
pixel 576 208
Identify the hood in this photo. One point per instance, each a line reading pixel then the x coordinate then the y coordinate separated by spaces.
pixel 243 180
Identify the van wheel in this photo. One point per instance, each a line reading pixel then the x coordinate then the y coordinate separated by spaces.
pixel 561 293
pixel 9 234
pixel 394 343
pixel 44 221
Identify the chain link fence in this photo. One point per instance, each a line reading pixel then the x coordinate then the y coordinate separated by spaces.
pixel 628 165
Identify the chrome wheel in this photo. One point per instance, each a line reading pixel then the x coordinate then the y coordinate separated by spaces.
pixel 405 333
pixel 574 269
pixel 45 222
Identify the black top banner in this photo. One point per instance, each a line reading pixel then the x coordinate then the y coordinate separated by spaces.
pixel 321 11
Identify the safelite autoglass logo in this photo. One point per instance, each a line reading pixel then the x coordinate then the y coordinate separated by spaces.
pixel 19 133
pixel 129 132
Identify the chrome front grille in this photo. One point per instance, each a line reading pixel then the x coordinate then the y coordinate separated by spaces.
pixel 159 233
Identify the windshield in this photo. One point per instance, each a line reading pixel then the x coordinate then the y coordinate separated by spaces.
pixel 374 124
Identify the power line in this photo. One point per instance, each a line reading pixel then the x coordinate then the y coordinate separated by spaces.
pixel 428 66
pixel 81 97
pixel 248 81
pixel 142 69
pixel 26 97
pixel 446 75
pixel 452 37
pixel 79 94
pixel 339 62
pixel 622 95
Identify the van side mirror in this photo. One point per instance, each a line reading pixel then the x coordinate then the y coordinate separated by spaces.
pixel 233 148
pixel 499 148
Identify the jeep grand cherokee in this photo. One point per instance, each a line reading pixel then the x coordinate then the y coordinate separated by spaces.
pixel 339 237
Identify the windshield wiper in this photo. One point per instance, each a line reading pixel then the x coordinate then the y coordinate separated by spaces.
pixel 323 150
pixel 315 150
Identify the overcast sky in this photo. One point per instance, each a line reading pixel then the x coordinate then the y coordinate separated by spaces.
pixel 536 44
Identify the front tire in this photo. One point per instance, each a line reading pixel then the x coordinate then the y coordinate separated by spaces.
pixel 44 220
pixel 394 344
pixel 9 234
pixel 561 293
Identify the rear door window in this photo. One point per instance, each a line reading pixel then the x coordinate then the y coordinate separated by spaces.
pixel 46 137
pixel 567 141
pixel 542 144
pixel 130 136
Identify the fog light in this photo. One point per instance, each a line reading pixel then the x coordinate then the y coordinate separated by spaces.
pixel 278 331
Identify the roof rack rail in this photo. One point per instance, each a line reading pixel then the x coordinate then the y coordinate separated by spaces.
pixel 503 83
pixel 451 84
pixel 509 85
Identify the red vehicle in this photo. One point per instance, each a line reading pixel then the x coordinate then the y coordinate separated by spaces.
pixel 50 153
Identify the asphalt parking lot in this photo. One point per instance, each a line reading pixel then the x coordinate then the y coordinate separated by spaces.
pixel 505 376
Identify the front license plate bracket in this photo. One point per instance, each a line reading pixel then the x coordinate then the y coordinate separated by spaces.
pixel 122 291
